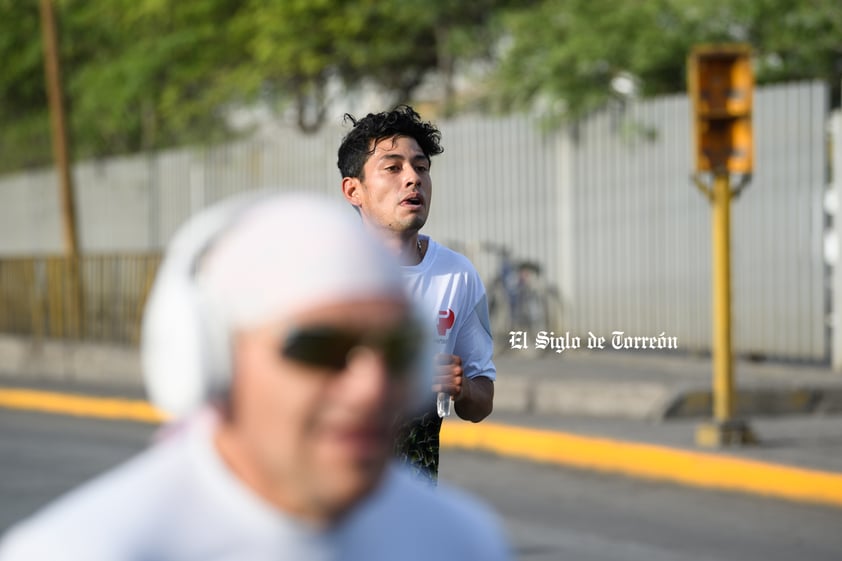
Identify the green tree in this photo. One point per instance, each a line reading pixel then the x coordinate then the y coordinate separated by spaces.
pixel 145 73
pixel 564 54
pixel 138 74
pixel 298 48
pixel 24 122
pixel 148 74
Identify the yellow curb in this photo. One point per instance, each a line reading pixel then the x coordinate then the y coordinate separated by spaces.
pixel 83 406
pixel 648 461
pixel 603 454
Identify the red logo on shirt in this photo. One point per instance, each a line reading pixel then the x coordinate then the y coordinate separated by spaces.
pixel 446 319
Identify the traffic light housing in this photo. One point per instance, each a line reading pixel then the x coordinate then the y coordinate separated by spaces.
pixel 721 87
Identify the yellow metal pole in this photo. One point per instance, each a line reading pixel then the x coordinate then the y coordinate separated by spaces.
pixel 725 428
pixel 723 380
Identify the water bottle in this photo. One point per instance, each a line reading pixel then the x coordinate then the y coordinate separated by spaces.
pixel 444 404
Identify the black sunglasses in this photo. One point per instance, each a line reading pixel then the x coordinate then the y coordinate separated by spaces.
pixel 329 347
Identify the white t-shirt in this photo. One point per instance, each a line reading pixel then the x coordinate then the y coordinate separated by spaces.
pixel 448 287
pixel 178 501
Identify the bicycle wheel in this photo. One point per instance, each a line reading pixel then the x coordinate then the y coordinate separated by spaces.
pixel 499 315
pixel 532 310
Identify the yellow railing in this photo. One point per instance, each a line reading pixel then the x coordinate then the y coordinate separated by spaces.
pixel 93 298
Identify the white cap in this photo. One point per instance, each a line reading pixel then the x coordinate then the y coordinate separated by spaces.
pixel 290 253
pixel 245 262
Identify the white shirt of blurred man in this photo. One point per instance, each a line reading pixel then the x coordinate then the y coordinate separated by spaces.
pixel 279 336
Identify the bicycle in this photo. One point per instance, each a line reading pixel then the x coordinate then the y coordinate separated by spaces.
pixel 519 296
pixel 519 299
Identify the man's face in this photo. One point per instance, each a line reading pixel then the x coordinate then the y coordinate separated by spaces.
pixel 311 439
pixel 394 192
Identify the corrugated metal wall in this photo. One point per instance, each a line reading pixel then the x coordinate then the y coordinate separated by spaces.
pixel 607 208
pixel 780 280
pixel 642 231
pixel 497 183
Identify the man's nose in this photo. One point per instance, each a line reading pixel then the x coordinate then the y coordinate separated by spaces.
pixel 367 376
pixel 411 176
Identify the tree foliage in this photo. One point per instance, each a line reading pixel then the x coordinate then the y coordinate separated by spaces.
pixel 564 54
pixel 137 74
pixel 147 74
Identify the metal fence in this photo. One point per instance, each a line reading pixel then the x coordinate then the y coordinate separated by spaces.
pixel 93 298
pixel 642 232
pixel 606 208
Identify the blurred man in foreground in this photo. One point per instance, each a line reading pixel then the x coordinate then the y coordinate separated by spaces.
pixel 280 338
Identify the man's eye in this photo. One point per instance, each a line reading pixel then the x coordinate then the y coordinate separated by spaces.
pixel 392 168
pixel 422 169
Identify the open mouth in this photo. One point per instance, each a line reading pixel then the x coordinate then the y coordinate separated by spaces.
pixel 413 200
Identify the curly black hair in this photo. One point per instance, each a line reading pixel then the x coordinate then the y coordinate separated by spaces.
pixel 365 133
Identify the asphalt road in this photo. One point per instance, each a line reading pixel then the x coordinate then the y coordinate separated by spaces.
pixel 42 456
pixel 550 513
pixel 557 514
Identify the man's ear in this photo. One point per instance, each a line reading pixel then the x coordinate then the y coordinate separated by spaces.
pixel 351 190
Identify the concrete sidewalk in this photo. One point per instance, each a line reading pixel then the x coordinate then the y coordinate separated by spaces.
pixel 603 384
pixel 608 384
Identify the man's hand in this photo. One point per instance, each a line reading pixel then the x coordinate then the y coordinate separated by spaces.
pixel 473 398
pixel 448 376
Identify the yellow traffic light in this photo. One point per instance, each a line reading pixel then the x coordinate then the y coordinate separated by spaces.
pixel 721 86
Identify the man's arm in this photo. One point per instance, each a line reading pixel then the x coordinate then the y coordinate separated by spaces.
pixel 473 398
pixel 476 400
pixel 470 370
pixel 474 344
